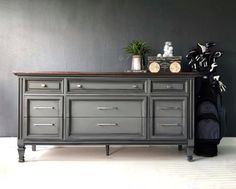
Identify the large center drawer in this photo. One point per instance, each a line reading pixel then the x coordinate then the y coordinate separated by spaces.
pixel 106 128
pixel 106 107
pixel 106 125
pixel 118 86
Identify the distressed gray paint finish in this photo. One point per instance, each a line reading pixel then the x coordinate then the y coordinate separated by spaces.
pixel 89 35
pixel 106 116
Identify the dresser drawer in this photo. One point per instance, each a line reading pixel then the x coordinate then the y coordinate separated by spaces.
pixel 106 127
pixel 169 127
pixel 43 106
pixel 44 85
pixel 81 85
pixel 107 107
pixel 168 106
pixel 43 127
pixel 169 86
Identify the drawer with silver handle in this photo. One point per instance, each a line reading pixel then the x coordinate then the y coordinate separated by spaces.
pixel 43 106
pixel 172 85
pixel 43 127
pixel 169 127
pixel 44 86
pixel 106 127
pixel 106 107
pixel 166 108
pixel 169 106
pixel 78 85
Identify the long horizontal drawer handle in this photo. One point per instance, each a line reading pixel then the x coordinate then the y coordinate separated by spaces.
pixel 44 124
pixel 171 108
pixel 79 86
pixel 135 86
pixel 107 108
pixel 43 85
pixel 44 107
pixel 169 86
pixel 107 124
pixel 171 125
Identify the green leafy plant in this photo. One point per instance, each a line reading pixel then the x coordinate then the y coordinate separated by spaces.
pixel 137 47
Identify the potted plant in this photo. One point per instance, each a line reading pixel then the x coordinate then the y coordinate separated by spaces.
pixel 137 49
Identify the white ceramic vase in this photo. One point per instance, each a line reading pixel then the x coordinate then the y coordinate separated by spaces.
pixel 136 63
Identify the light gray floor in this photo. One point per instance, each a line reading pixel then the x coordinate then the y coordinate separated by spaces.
pixel 161 167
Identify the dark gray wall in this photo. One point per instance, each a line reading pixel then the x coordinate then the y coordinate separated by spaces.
pixel 88 35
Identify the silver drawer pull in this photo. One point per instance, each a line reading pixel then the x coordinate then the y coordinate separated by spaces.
pixel 107 124
pixel 135 86
pixel 171 108
pixel 44 124
pixel 80 86
pixel 171 125
pixel 43 85
pixel 169 87
pixel 44 107
pixel 107 108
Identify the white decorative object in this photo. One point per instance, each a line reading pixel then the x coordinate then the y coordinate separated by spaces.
pixel 159 55
pixel 168 49
pixel 203 48
pixel 221 84
pixel 136 63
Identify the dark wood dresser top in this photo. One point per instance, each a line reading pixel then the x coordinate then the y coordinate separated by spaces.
pixel 115 74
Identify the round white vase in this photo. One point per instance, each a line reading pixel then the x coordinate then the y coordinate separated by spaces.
pixel 136 63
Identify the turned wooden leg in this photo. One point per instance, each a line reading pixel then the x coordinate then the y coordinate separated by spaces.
pixel 21 152
pixel 180 147
pixel 107 150
pixel 34 147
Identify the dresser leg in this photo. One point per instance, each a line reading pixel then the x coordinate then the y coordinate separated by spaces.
pixel 180 147
pixel 190 153
pixel 34 147
pixel 107 150
pixel 21 152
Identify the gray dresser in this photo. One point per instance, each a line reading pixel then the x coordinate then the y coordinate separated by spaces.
pixel 105 108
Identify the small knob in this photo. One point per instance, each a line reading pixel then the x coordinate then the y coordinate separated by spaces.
pixel 79 86
pixel 43 85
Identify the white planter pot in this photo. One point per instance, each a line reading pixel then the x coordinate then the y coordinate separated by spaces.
pixel 136 63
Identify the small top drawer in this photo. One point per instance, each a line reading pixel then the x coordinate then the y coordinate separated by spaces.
pixel 44 85
pixel 171 85
pixel 81 85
